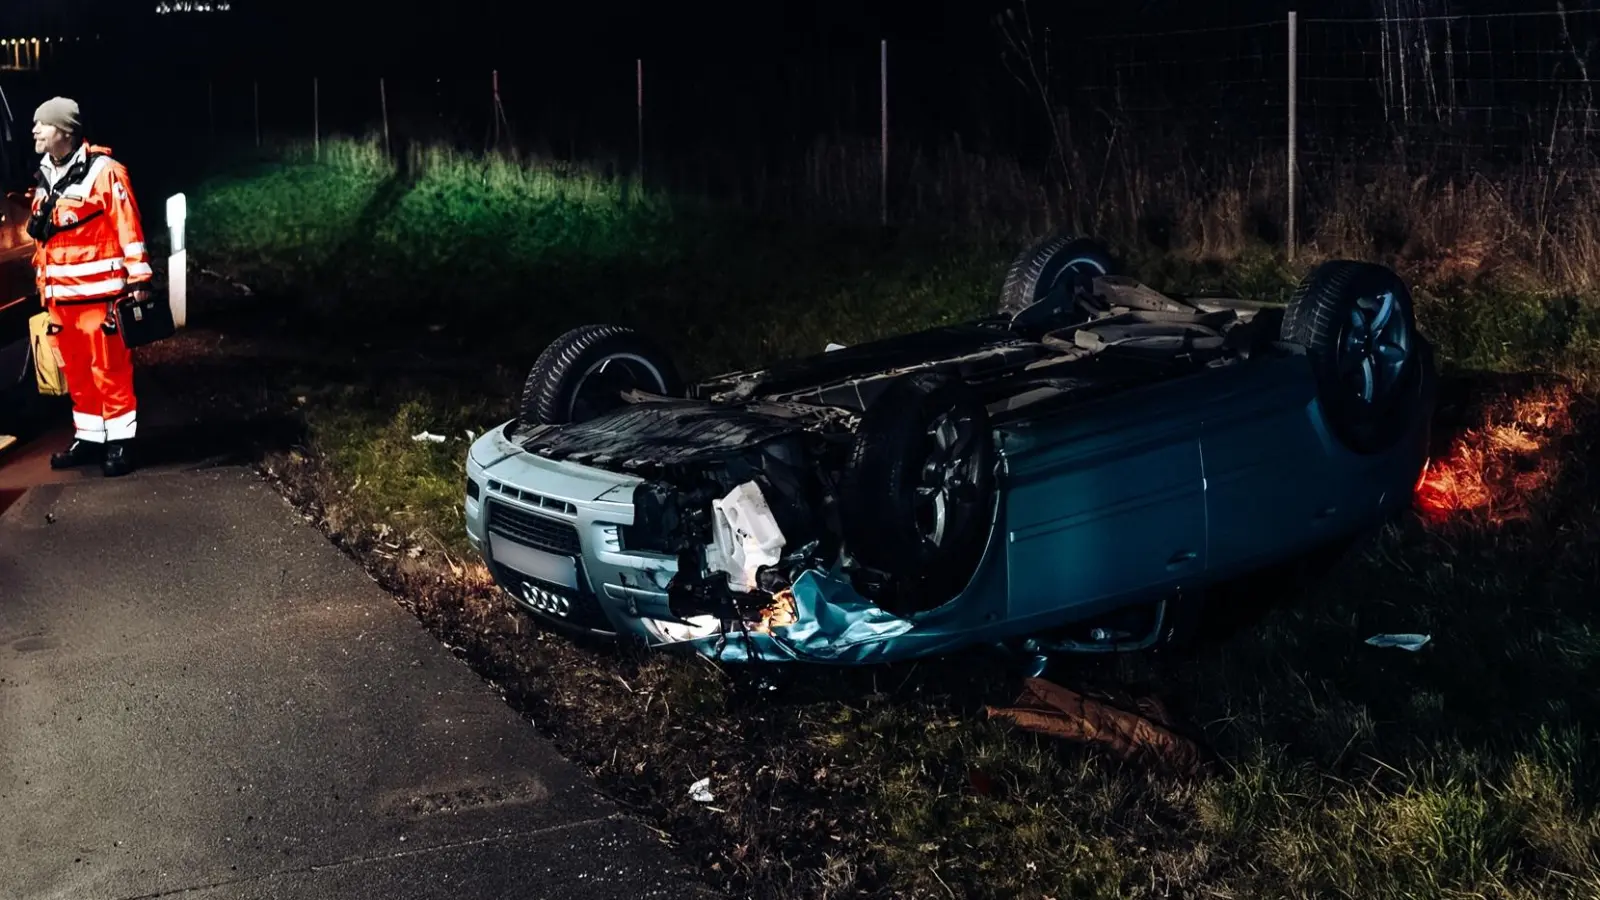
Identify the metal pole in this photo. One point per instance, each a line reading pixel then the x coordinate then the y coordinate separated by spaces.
pixel 383 103
pixel 316 118
pixel 255 100
pixel 638 65
pixel 883 132
pixel 1292 130
pixel 211 109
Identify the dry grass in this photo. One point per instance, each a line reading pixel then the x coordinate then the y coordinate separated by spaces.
pixel 1525 227
pixel 1504 463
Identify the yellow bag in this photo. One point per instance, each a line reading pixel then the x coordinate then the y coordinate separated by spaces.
pixel 46 358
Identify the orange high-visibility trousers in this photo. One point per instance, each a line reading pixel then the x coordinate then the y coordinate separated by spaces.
pixel 99 372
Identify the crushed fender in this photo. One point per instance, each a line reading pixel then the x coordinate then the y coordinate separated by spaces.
pixel 816 620
pixel 1053 710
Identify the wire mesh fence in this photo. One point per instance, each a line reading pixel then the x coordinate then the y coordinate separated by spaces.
pixel 1482 90
pixel 1052 121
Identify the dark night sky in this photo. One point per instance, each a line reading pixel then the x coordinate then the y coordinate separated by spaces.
pixel 626 27
pixel 496 30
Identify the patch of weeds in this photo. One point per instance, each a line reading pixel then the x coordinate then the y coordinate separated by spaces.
pixel 1502 331
pixel 388 473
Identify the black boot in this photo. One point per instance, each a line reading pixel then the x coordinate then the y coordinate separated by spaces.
pixel 78 453
pixel 118 460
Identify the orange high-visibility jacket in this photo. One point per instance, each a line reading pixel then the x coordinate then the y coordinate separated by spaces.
pixel 96 248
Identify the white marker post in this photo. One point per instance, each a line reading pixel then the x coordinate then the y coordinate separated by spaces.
pixel 178 262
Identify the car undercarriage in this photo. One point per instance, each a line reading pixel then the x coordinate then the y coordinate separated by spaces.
pixel 791 431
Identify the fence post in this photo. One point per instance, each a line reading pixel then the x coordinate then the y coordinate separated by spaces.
pixel 255 107
pixel 1293 130
pixel 638 65
pixel 883 132
pixel 383 104
pixel 316 119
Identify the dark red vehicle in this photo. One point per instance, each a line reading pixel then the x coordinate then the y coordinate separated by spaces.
pixel 19 300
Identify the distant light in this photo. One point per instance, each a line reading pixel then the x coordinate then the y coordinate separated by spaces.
pixel 183 6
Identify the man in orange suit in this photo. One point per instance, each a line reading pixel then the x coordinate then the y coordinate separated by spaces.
pixel 90 251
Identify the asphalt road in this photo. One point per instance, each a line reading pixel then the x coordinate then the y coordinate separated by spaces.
pixel 201 697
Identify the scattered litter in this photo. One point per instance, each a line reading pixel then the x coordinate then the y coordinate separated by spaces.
pixel 428 436
pixel 1050 709
pixel 832 347
pixel 1412 642
pixel 700 791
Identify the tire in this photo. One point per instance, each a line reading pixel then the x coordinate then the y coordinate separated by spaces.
pixel 1037 270
pixel 902 517
pixel 1365 353
pixel 579 374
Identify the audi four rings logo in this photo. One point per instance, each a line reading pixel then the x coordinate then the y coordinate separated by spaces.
pixel 545 601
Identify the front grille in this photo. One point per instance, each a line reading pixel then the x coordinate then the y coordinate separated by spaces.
pixel 532 499
pixel 533 530
pixel 584 614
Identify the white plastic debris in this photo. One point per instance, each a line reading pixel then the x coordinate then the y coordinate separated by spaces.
pixel 832 347
pixel 700 791
pixel 746 536
pixel 428 436
pixel 1412 642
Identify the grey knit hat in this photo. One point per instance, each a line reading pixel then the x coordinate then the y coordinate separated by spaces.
pixel 62 113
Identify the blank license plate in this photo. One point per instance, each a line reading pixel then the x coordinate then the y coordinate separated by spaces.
pixel 561 570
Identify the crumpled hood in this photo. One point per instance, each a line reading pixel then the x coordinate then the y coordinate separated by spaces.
pixel 657 433
pixel 494 458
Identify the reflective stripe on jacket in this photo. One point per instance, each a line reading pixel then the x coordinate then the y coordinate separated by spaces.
pixel 98 250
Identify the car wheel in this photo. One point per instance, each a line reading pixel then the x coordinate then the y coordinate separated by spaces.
pixel 919 489
pixel 583 373
pixel 1037 270
pixel 1355 321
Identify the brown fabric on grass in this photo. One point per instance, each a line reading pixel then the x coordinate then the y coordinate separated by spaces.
pixel 1048 708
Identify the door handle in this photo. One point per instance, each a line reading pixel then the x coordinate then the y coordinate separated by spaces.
pixel 1180 558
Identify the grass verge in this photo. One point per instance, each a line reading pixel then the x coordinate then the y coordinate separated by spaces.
pixel 1465 770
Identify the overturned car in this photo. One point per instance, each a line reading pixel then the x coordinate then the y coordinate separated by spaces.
pixel 1072 471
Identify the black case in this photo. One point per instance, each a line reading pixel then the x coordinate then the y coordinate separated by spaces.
pixel 144 321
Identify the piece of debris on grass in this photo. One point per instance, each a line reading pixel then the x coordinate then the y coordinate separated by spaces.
pixel 700 791
pixel 1412 642
pixel 1050 709
pixel 428 436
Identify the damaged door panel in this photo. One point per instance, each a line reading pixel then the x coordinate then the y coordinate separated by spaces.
pixel 1101 509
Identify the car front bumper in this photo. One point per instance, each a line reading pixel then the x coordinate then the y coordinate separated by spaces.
pixel 551 534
